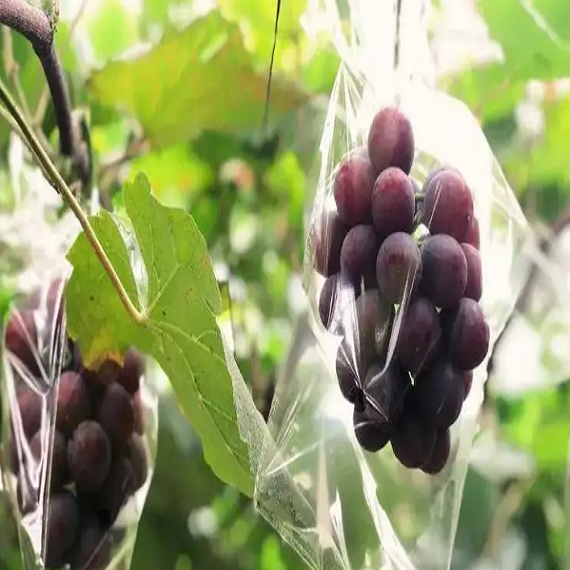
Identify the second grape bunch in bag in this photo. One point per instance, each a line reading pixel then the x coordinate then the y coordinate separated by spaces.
pixel 402 290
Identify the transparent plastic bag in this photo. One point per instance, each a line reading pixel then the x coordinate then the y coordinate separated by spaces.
pixel 376 407
pixel 80 444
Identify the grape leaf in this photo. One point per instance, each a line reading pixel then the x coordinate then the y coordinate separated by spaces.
pixel 180 302
pixel 200 78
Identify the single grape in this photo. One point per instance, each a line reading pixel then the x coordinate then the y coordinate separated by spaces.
pixel 469 335
pixel 431 175
pixel 369 434
pixel 385 393
pixel 353 189
pixel 30 407
pixel 349 370
pixel 114 492
pixel 444 271
pixel 327 303
pixel 391 141
pixel 358 254
pixel 440 453
pixel 330 234
pixel 133 369
pixel 109 372
pixel 419 336
pixel 398 266
pixel 412 440
pixel 473 236
pixel 116 415
pixel 73 403
pixel 21 340
pixel 89 456
pixel 467 382
pixel 448 205
pixel 62 525
pixel 393 203
pixel 92 547
pixel 474 288
pixel 137 457
pixel 59 472
pixel 438 394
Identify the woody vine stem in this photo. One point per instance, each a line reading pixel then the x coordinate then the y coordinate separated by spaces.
pixel 35 25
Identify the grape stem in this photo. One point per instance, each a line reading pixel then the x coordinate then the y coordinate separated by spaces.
pixel 60 185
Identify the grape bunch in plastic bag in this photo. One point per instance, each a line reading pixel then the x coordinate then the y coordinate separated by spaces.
pixel 78 439
pixel 389 244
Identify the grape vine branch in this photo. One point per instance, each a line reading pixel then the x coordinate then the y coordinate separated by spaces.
pixel 36 27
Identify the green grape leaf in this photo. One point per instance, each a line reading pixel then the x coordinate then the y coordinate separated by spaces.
pixel 201 78
pixel 180 302
pixel 534 36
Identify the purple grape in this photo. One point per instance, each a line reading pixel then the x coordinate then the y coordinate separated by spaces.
pixel 444 271
pixel 30 408
pixel 473 235
pixel 137 457
pixel 329 237
pixel 73 403
pixel 349 370
pixel 369 434
pixel 412 440
pixel 353 189
pixel 92 547
pixel 59 466
pixel 385 392
pixel 116 415
pixel 358 255
pixel 391 141
pixel 440 453
pixel 398 266
pixel 89 456
pixel 474 288
pixel 132 371
pixel 438 394
pixel 419 336
pixel 393 203
pixel 21 339
pixel 448 205
pixel 62 525
pixel 468 336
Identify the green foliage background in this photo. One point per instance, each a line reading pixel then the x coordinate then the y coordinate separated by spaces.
pixel 187 111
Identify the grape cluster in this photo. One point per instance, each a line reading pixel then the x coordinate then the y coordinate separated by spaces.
pixel 98 456
pixel 386 279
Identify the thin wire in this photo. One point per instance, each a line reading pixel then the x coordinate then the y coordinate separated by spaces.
pixel 271 64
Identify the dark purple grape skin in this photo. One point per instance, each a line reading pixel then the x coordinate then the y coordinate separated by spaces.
pixel 419 336
pixel 393 203
pixel 329 309
pixel 109 372
pixel 349 370
pixel 385 394
pixel 73 402
pixel 358 254
pixel 474 287
pixel 92 547
pixel 469 335
pixel 137 457
pixel 440 453
pixel 30 407
pixel 59 472
pixel 329 237
pixel 132 371
pixel 116 415
pixel 412 440
pixel 391 141
pixel 89 456
pixel 438 394
pixel 62 525
pixel 467 383
pixel 444 271
pixel 448 205
pixel 353 189
pixel 21 339
pixel 369 434
pixel 473 235
pixel 398 266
